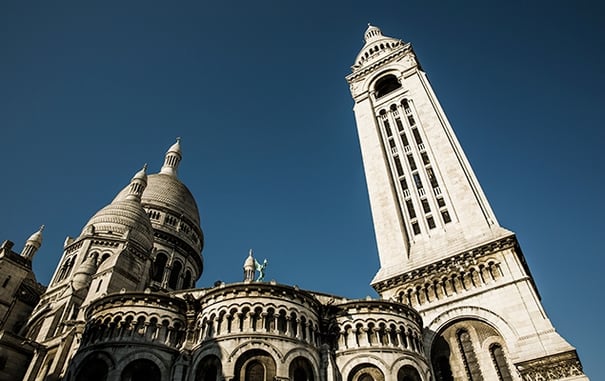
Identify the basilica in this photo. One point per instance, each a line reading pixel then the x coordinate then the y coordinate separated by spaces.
pixel 457 299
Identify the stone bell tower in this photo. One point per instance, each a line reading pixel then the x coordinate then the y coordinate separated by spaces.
pixel 440 246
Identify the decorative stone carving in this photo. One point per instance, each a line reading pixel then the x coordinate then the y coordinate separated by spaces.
pixel 549 368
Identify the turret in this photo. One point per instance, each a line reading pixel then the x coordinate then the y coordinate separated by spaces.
pixel 32 244
pixel 249 268
pixel 172 159
pixel 83 275
pixel 137 185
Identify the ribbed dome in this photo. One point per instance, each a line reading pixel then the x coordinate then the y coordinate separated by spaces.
pixel 121 216
pixel 376 45
pixel 167 191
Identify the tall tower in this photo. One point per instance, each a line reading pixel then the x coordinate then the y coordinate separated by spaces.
pixel 440 246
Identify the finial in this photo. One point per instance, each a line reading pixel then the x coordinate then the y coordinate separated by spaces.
pixel 41 228
pixel 369 25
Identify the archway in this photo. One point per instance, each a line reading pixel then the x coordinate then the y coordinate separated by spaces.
pixel 141 370
pixel 365 372
pixel 385 85
pixel 255 365
pixel 301 369
pixel 469 349
pixel 408 373
pixel 209 369
pixel 94 368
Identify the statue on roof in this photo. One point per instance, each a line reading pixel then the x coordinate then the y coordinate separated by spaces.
pixel 261 269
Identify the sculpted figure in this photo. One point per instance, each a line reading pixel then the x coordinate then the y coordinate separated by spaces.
pixel 261 269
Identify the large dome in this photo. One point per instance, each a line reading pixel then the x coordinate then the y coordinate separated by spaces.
pixel 167 191
pixel 119 217
pixel 171 208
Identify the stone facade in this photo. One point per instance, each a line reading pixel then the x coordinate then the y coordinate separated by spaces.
pixel 19 294
pixel 457 299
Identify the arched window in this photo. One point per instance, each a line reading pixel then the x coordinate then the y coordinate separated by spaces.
pixel 94 368
pixel 255 371
pixel 301 370
pixel 468 355
pixel 365 372
pixel 66 268
pixel 499 361
pixel 408 373
pixel 174 274
pixel 385 85
pixel 255 365
pixel 187 280
pixel 141 370
pixel 454 353
pixel 209 369
pixel 158 267
pixel 104 258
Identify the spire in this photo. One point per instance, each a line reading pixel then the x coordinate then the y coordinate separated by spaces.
pixel 172 159
pixel 249 268
pixel 138 184
pixel 32 244
pixel 372 33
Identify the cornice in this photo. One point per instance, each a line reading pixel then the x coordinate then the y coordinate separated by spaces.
pixel 364 71
pixel 462 260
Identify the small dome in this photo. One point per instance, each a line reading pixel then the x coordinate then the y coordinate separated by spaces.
pixel 249 263
pixel 83 275
pixel 36 237
pixel 372 33
pixel 141 174
pixel 122 217
pixel 376 45
pixel 176 147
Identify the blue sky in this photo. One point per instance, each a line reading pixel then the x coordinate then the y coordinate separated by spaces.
pixel 90 91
